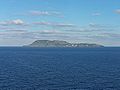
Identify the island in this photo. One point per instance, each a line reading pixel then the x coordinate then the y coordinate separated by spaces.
pixel 58 43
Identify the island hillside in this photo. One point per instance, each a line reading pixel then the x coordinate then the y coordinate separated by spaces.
pixel 58 43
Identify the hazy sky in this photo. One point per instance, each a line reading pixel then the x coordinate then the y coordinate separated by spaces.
pixel 92 21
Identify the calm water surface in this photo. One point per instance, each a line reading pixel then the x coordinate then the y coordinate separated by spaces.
pixel 59 68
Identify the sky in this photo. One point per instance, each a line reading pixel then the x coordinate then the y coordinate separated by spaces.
pixel 79 21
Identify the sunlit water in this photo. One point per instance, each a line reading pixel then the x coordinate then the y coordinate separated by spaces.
pixel 59 68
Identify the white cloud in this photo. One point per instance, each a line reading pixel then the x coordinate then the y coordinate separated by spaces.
pixel 96 14
pixel 46 13
pixel 113 35
pixel 49 32
pixel 55 24
pixel 94 25
pixel 13 22
pixel 40 13
pixel 117 11
pixel 17 22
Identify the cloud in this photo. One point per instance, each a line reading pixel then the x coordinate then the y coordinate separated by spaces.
pixel 55 24
pixel 83 30
pixel 16 22
pixel 46 13
pixel 117 11
pixel 96 14
pixel 64 25
pixel 16 30
pixel 113 35
pixel 13 22
pixel 94 25
pixel 105 36
pixel 49 32
pixel 12 29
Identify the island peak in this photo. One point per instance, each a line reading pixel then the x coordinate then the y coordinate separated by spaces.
pixel 59 43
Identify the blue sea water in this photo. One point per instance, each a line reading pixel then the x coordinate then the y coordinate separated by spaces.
pixel 24 68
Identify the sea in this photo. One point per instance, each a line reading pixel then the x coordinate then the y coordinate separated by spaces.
pixel 25 68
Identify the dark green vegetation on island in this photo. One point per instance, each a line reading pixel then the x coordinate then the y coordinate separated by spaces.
pixel 57 43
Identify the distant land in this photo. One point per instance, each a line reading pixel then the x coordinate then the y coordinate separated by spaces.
pixel 58 43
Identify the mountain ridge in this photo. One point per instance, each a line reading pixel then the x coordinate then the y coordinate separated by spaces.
pixel 60 43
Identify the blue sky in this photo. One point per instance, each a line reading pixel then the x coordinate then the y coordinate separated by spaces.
pixel 85 21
